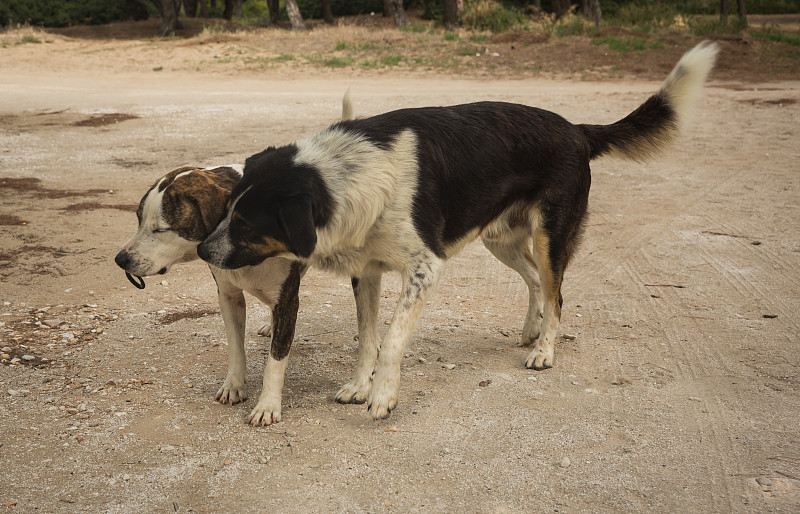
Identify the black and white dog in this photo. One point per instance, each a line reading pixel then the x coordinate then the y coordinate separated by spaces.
pixel 406 190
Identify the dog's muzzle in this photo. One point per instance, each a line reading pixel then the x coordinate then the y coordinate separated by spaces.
pixel 123 259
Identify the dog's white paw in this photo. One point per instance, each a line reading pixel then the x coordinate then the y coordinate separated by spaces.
pixel 266 412
pixel 382 398
pixel 541 357
pixel 265 330
pixel 353 392
pixel 232 391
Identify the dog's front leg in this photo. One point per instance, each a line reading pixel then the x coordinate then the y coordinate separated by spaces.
pixel 417 283
pixel 367 292
pixel 284 318
pixel 234 312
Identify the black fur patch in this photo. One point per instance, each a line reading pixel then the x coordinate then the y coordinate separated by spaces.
pixel 476 160
pixel 285 314
pixel 280 200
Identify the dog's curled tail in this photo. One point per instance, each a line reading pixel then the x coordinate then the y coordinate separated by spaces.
pixel 658 121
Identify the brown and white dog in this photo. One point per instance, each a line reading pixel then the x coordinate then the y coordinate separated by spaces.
pixel 178 212
pixel 406 190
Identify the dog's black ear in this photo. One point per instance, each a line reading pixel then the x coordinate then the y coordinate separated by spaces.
pixel 297 220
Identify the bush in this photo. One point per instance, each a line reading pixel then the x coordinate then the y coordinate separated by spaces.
pixel 645 16
pixel 313 8
pixel 490 15
pixel 60 13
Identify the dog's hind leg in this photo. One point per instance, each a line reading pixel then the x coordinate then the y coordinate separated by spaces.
pixel 418 281
pixel 551 274
pixel 367 291
pixel 234 312
pixel 516 254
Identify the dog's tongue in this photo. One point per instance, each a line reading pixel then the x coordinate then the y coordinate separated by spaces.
pixel 139 284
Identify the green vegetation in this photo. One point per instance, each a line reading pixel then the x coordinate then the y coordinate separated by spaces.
pixel 29 38
pixel 491 15
pixel 61 13
pixel 773 34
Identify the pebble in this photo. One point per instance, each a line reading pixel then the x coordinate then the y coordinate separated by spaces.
pixel 28 357
pixel 590 390
pixel 569 336
pixel 565 462
pixel 766 482
pixel 449 366
pixel 52 323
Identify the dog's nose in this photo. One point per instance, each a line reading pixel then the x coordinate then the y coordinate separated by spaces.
pixel 122 259
pixel 203 252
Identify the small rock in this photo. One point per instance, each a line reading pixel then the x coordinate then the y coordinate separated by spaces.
pixel 565 462
pixel 5 356
pixel 618 380
pixel 449 366
pixel 484 383
pixel 263 460
pixel 12 392
pixel 590 390
pixel 422 360
pixel 164 283
pixel 52 323
pixel 766 482
pixel 569 337
pixel 28 357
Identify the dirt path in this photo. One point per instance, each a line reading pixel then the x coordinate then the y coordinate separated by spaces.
pixel 678 391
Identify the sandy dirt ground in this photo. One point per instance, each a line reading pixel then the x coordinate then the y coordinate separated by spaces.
pixel 676 381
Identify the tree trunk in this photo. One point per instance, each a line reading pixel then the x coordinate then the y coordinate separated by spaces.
pixel 294 15
pixel 450 14
pixel 233 9
pixel 742 12
pixel 561 7
pixel 597 15
pixel 204 8
pixel 387 8
pixel 723 11
pixel 398 12
pixel 168 9
pixel 137 9
pixel 327 14
pixel 190 8
pixel 274 10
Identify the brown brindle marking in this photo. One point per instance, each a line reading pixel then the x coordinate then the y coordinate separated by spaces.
pixel 195 203
pixel 284 316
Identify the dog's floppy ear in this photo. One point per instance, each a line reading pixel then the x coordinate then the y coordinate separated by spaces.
pixel 297 220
